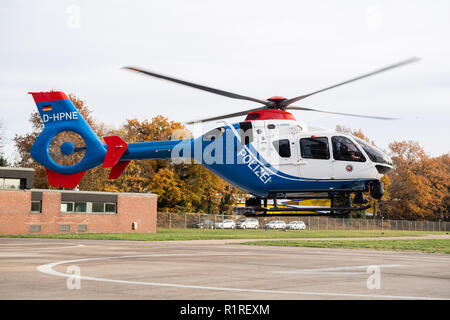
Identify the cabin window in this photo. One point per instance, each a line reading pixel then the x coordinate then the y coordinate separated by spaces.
pixel 344 149
pixel 246 129
pixel 213 134
pixel 315 148
pixel 283 147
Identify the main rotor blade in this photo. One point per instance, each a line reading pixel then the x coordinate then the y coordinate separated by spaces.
pixel 230 115
pixel 200 87
pixel 341 113
pixel 399 64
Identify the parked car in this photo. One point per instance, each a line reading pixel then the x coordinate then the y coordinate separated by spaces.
pixel 247 223
pixel 296 225
pixel 225 224
pixel 205 224
pixel 275 224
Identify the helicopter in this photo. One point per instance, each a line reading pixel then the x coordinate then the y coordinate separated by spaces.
pixel 269 155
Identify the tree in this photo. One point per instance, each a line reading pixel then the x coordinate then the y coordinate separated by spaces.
pixel 420 184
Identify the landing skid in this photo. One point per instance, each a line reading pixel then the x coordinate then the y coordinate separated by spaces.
pixel 341 204
pixel 303 211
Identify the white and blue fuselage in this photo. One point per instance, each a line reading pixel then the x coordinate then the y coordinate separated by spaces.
pixel 263 157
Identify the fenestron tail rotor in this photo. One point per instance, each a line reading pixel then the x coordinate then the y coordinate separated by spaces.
pixel 67 148
pixel 280 103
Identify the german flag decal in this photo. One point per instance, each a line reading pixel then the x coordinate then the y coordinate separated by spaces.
pixel 47 107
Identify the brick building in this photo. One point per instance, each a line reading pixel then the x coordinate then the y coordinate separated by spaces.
pixel 24 210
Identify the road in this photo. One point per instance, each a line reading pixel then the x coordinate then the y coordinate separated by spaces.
pixel 192 270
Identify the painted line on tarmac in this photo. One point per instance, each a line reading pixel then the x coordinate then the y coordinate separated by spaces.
pixel 48 269
pixel 336 270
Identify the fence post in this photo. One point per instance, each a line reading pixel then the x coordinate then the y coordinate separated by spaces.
pixel 185 220
pixel 170 220
pixel 309 222
pixel 343 224
pixel 318 222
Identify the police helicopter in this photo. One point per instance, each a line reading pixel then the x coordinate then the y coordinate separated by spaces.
pixel 269 155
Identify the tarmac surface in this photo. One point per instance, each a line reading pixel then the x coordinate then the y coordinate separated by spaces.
pixel 213 269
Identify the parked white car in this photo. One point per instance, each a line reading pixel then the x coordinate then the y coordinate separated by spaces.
pixel 275 224
pixel 225 224
pixel 247 223
pixel 296 225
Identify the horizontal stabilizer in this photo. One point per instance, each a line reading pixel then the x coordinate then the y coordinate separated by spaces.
pixel 118 169
pixel 116 148
pixel 69 181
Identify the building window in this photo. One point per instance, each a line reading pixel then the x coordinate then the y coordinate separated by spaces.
pixel 66 206
pixel 314 148
pixel 35 228
pixel 36 206
pixel 88 207
pixel 64 228
pixel 110 207
pixel 80 207
pixel 82 228
pixel 283 147
pixel 9 184
pixel 98 207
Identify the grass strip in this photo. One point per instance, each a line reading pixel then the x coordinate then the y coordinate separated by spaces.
pixel 422 245
pixel 207 234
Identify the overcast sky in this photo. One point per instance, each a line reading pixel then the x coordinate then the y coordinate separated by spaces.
pixel 255 48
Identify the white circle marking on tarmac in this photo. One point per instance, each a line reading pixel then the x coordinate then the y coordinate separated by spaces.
pixel 48 269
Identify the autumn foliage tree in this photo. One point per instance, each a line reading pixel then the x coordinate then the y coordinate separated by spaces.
pixel 420 184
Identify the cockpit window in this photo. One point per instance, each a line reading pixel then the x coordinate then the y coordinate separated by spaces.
pixel 283 147
pixel 344 149
pixel 374 154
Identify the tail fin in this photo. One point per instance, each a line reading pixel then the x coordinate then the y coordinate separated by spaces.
pixel 67 146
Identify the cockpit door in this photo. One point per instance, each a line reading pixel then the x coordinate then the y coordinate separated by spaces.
pixel 348 161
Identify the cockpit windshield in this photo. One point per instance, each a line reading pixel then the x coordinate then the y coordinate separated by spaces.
pixel 374 154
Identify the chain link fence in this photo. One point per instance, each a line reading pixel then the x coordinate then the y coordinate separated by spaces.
pixel 198 220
